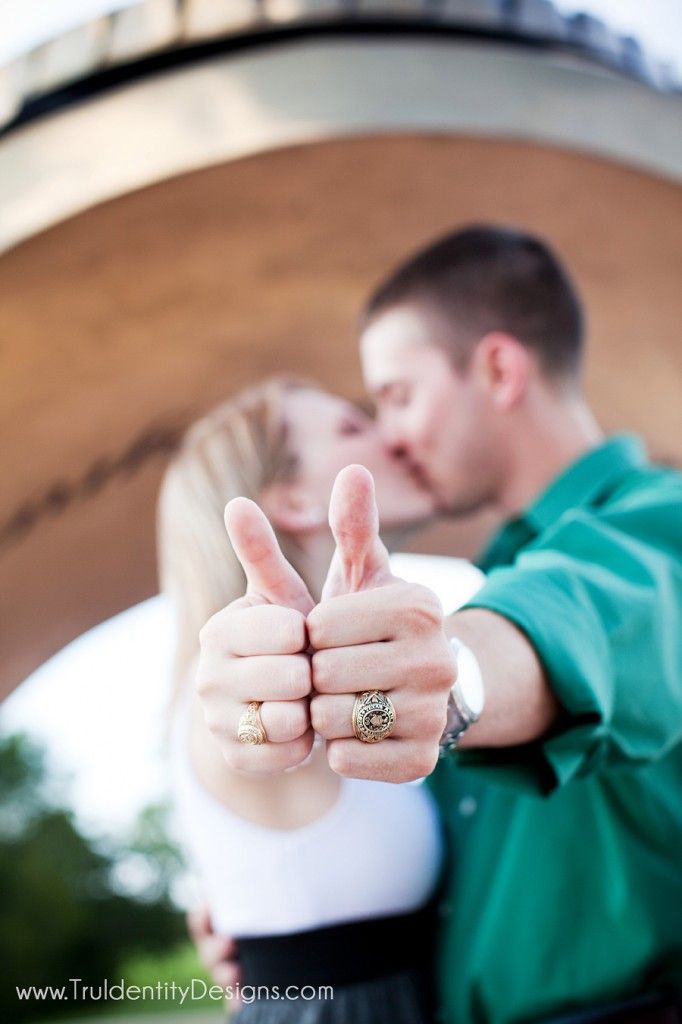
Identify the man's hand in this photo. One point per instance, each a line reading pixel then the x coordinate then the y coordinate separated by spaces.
pixel 255 650
pixel 373 631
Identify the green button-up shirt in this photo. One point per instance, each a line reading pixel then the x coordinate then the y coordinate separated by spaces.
pixel 564 885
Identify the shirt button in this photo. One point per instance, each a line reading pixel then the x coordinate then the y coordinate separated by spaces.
pixel 467 806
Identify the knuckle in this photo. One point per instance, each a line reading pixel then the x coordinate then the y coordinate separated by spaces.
pixel 293 752
pixel 291 631
pixel 315 626
pixel 421 762
pixel 437 670
pixel 424 610
pixel 429 718
pixel 303 745
pixel 427 761
pixel 246 678
pixel 235 758
pixel 320 716
pixel 300 682
pixel 447 672
pixel 211 688
pixel 210 632
pixel 384 769
pixel 322 670
pixel 338 759
pixel 247 760
pixel 438 719
pixel 205 686
pixel 431 601
pixel 214 721
pixel 297 718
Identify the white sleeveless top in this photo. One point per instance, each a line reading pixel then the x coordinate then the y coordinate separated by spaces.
pixel 376 851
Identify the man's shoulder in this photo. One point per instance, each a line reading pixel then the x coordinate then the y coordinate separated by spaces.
pixel 649 499
pixel 653 483
pixel 644 506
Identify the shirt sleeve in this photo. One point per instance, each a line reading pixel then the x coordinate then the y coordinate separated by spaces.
pixel 601 603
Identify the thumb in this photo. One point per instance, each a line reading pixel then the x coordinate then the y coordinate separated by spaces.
pixel 268 574
pixel 360 560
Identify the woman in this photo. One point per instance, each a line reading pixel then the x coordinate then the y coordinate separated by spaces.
pixel 323 880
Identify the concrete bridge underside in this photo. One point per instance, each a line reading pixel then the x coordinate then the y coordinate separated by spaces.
pixel 124 321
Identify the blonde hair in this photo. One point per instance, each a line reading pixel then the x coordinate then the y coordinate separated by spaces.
pixel 238 448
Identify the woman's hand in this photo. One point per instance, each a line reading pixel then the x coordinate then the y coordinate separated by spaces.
pixel 255 649
pixel 217 953
pixel 371 631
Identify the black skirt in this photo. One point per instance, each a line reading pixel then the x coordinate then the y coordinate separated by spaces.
pixel 376 971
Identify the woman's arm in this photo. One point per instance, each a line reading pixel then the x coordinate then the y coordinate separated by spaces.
pixel 285 801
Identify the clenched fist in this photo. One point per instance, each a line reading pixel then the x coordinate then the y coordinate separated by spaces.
pixel 372 631
pixel 255 649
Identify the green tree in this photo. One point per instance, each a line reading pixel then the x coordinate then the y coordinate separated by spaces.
pixel 63 914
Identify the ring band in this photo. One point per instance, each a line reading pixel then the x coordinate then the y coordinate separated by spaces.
pixel 251 729
pixel 373 716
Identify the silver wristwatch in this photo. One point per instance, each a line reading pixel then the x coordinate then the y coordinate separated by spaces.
pixel 467 696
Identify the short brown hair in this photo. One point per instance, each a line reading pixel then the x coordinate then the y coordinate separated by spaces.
pixel 487 278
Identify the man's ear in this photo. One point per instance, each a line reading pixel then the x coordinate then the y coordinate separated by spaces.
pixel 291 508
pixel 504 366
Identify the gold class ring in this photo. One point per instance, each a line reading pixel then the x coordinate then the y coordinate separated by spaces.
pixel 373 716
pixel 251 729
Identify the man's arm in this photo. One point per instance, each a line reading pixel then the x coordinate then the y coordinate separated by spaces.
pixel 373 631
pixel 519 703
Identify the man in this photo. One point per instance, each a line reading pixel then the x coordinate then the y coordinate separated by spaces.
pixel 560 791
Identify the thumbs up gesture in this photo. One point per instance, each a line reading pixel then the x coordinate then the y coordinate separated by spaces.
pixel 254 650
pixel 372 631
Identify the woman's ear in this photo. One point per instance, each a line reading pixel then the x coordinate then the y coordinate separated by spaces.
pixel 291 508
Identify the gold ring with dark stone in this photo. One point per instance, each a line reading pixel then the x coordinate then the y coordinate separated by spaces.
pixel 251 729
pixel 373 716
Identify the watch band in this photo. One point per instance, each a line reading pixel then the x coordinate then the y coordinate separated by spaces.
pixel 461 712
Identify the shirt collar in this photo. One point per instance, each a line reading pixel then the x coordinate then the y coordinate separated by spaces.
pixel 583 483
pixel 586 480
